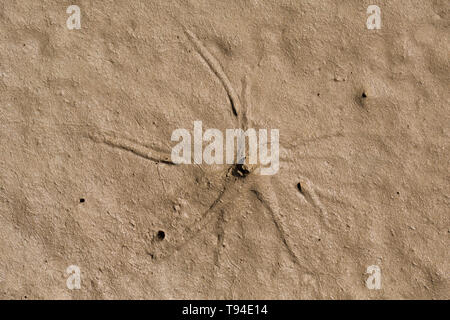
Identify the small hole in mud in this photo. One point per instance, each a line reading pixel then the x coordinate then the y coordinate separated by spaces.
pixel 299 187
pixel 318 94
pixel 364 95
pixel 240 171
pixel 82 200
pixel 398 192
pixel 160 235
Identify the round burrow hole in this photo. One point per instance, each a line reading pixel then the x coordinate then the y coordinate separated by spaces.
pixel 160 235
pixel 82 200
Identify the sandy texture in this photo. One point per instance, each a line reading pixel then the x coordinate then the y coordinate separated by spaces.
pixel 88 114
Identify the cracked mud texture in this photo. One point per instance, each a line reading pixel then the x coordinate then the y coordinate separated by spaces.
pixel 86 179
